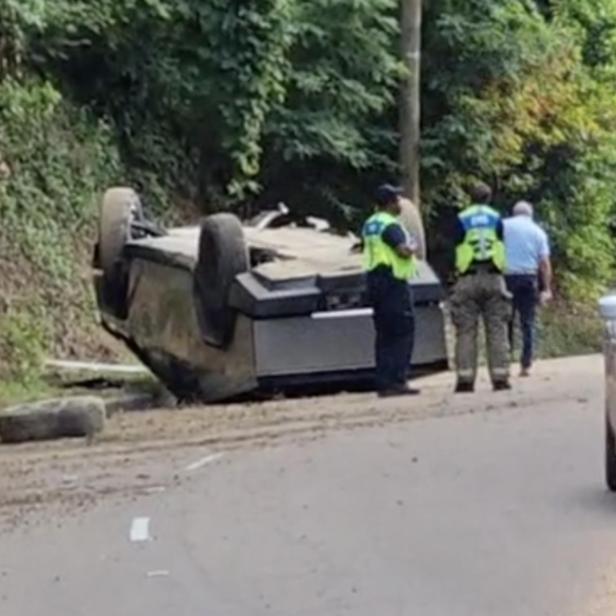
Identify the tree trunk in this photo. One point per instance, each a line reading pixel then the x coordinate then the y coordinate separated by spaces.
pixel 410 103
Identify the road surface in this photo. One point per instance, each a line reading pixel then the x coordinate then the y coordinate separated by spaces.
pixel 486 505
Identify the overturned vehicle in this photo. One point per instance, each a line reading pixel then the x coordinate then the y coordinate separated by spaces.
pixel 228 308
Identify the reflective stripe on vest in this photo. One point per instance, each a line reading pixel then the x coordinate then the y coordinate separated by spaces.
pixel 481 243
pixel 378 253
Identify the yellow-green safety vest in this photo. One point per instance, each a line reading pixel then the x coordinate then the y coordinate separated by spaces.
pixel 378 253
pixel 481 243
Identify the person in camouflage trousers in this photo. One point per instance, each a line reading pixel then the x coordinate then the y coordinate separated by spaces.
pixel 480 292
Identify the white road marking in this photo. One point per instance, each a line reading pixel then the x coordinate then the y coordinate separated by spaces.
pixel 203 462
pixel 161 573
pixel 140 529
pixel 155 490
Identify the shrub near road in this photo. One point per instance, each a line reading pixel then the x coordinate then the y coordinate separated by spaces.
pixel 55 159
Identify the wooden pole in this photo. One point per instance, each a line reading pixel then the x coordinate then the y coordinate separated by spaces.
pixel 410 103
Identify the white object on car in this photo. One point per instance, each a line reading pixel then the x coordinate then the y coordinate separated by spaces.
pixel 607 307
pixel 319 224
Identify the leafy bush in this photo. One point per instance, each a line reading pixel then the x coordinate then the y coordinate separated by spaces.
pixel 23 341
pixel 519 99
pixel 56 160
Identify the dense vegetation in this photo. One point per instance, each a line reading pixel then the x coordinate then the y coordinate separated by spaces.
pixel 208 104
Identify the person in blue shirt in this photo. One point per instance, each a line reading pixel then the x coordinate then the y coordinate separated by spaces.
pixel 528 275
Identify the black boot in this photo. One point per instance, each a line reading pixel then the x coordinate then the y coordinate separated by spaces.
pixel 502 385
pixel 463 387
pixel 402 390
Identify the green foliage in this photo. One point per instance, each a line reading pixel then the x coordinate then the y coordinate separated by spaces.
pixel 594 25
pixel 56 159
pixel 181 80
pixel 520 102
pixel 333 125
pixel 218 101
pixel 569 329
pixel 22 346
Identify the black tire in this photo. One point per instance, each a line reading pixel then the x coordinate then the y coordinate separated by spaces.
pixel 119 208
pixel 222 256
pixel 610 456
pixel 411 219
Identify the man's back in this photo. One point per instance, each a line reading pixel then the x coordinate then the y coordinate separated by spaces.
pixel 526 245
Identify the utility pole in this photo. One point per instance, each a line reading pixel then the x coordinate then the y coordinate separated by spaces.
pixel 410 99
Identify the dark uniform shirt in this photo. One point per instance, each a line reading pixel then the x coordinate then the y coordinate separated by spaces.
pixel 394 235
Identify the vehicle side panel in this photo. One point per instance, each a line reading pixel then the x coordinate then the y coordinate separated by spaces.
pixel 610 380
pixel 337 343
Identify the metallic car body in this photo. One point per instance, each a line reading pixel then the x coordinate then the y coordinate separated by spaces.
pixel 301 313
pixel 608 313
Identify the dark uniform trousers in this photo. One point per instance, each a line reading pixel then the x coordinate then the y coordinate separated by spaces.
pixel 394 321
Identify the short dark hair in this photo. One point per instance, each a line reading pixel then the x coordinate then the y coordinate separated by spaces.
pixel 387 194
pixel 481 193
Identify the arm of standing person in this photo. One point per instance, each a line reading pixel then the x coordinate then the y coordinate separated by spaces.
pixel 457 234
pixel 395 237
pixel 545 269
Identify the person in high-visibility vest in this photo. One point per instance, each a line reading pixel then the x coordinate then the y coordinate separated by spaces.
pixel 389 262
pixel 480 292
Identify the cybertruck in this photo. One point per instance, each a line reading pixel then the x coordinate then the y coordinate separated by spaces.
pixel 226 309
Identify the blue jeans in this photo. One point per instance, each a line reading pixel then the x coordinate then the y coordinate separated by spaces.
pixel 524 289
pixel 394 323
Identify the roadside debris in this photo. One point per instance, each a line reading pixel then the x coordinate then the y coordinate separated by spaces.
pixel 58 418
pixel 100 369
pixel 135 402
pixel 123 387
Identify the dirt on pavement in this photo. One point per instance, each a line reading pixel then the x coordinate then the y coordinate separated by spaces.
pixel 146 452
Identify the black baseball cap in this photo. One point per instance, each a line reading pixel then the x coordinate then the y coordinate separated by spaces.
pixel 386 193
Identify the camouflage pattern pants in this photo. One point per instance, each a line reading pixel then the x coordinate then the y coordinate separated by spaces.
pixel 481 295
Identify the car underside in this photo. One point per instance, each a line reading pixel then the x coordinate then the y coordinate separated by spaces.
pixel 226 308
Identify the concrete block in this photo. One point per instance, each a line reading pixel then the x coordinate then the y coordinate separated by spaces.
pixel 49 419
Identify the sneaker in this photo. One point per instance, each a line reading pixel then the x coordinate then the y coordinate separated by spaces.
pixel 464 388
pixel 525 372
pixel 502 386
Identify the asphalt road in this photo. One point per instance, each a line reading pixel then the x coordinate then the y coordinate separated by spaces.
pixel 498 510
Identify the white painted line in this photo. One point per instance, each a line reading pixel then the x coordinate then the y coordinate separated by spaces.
pixel 203 462
pixel 155 490
pixel 161 573
pixel 140 529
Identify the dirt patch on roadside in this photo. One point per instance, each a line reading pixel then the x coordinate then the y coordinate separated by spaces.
pixel 144 451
